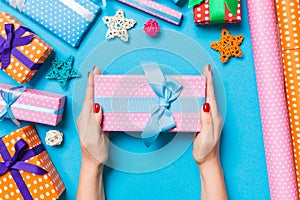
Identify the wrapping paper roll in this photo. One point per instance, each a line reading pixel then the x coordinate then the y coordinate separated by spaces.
pixel 289 31
pixel 274 115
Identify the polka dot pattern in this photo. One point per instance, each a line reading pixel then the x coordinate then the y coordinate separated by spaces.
pixel 135 86
pixel 37 51
pixel 60 19
pixel 138 86
pixel 185 122
pixel 48 186
pixel 39 99
pixel 270 85
pixel 202 15
pixel 288 15
pixel 157 10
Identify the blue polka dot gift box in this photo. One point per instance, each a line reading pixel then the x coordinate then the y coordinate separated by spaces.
pixel 67 19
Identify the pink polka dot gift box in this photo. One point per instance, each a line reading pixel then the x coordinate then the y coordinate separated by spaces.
pixel 26 170
pixel 150 103
pixel 216 11
pixel 20 103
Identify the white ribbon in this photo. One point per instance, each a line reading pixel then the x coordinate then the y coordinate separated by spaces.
pixel 76 7
pixel 104 3
pixel 79 9
pixel 17 4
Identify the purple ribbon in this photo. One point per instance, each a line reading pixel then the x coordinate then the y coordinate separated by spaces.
pixel 17 162
pixel 14 39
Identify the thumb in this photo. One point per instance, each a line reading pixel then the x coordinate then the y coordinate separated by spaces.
pixel 98 112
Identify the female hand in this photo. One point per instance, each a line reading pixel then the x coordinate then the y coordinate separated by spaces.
pixel 206 146
pixel 207 141
pixel 93 142
pixel 94 146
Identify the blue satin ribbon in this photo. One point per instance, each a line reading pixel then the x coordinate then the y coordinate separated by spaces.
pixel 167 90
pixel 17 162
pixel 10 97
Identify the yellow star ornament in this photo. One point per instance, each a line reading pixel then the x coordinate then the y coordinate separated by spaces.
pixel 228 46
pixel 118 25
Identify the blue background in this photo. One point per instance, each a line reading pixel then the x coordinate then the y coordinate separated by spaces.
pixel 242 151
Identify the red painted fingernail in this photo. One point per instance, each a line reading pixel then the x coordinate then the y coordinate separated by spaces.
pixel 94 68
pixel 96 108
pixel 210 70
pixel 206 107
pixel 89 74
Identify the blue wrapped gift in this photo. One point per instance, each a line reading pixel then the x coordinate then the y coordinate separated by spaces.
pixel 68 19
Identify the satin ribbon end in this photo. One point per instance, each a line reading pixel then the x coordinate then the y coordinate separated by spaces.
pixel 16 122
pixel 193 3
pixel 104 3
pixel 149 141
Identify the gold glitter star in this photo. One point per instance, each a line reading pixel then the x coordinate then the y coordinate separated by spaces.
pixel 228 46
pixel 118 25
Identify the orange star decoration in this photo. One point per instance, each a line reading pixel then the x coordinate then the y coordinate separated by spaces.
pixel 228 46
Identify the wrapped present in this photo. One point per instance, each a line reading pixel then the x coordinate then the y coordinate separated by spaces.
pixel 272 99
pixel 156 9
pixel 216 11
pixel 67 19
pixel 22 53
pixel 26 170
pixel 288 19
pixel 19 103
pixel 152 103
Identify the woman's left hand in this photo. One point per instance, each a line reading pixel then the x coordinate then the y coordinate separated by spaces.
pixel 94 142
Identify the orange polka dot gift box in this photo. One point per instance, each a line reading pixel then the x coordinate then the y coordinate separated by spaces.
pixel 216 11
pixel 26 170
pixel 22 53
pixel 20 103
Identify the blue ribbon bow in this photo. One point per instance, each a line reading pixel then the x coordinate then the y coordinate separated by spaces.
pixel 17 162
pixel 13 39
pixel 9 99
pixel 167 89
